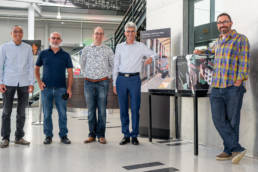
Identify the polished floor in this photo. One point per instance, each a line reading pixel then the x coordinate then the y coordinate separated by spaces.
pixel 157 156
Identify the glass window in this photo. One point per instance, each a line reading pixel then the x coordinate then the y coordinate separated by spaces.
pixel 201 12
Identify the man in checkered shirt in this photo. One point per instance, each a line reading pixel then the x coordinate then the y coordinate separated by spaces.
pixel 231 67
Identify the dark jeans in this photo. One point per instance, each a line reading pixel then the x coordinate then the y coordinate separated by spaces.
pixel 8 98
pixel 48 95
pixel 226 104
pixel 96 97
pixel 129 86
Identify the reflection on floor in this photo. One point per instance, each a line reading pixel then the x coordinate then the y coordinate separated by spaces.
pixel 159 156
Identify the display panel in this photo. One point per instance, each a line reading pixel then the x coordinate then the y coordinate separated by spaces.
pixel 193 72
pixel 35 44
pixel 158 74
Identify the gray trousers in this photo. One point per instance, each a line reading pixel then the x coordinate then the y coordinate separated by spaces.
pixel 8 98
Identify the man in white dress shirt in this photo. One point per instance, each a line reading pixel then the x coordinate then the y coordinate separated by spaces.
pixel 127 82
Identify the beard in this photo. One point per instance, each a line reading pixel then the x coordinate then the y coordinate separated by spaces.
pixel 224 30
pixel 54 45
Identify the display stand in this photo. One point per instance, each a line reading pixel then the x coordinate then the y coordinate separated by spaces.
pixel 39 121
pixel 186 93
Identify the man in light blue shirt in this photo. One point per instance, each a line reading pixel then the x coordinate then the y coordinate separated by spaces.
pixel 126 80
pixel 16 73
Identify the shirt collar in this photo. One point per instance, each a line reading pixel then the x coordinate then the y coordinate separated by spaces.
pixel 12 42
pixel 130 44
pixel 60 49
pixel 230 35
pixel 92 45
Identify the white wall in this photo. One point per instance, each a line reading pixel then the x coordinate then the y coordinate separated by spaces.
pixel 245 21
pixel 244 15
pixel 170 13
pixel 5 29
pixel 167 14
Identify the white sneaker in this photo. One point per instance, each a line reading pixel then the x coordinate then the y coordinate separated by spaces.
pixel 237 156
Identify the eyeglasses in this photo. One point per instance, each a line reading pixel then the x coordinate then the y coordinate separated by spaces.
pixel 99 33
pixel 17 31
pixel 57 38
pixel 223 22
pixel 130 31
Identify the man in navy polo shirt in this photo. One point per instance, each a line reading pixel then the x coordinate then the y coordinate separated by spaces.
pixel 55 61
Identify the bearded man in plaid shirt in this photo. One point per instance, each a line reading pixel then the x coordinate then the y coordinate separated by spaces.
pixel 231 67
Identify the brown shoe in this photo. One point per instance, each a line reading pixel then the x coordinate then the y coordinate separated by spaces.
pixel 22 142
pixel 223 156
pixel 89 140
pixel 237 156
pixel 102 140
pixel 4 143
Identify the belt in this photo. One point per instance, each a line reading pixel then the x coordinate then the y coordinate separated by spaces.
pixel 128 74
pixel 96 80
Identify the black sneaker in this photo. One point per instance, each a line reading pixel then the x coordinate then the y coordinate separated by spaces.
pixel 135 141
pixel 65 140
pixel 47 141
pixel 125 140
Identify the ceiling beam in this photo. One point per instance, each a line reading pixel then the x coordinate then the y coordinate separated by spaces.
pixel 37 9
pixel 12 4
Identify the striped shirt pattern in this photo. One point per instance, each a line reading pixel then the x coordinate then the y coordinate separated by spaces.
pixel 232 59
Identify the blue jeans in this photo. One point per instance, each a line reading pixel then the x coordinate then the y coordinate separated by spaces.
pixel 47 97
pixel 96 98
pixel 226 105
pixel 129 86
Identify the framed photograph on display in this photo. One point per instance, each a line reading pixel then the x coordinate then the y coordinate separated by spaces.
pixel 158 74
pixel 35 44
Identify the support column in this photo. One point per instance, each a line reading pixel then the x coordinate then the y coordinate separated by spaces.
pixel 46 36
pixel 81 43
pixel 31 22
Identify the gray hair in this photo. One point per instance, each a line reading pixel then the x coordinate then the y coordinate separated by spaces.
pixel 56 33
pixel 17 26
pixel 130 24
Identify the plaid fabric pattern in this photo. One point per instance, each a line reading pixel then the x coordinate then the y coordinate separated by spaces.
pixel 232 58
